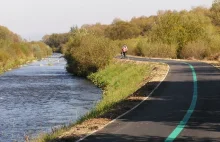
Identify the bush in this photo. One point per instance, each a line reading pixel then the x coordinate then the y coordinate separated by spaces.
pixel 13 54
pixel 195 49
pixel 149 49
pixel 55 41
pixel 88 53
pixel 181 28
pixel 131 44
pixel 214 44
pixel 6 34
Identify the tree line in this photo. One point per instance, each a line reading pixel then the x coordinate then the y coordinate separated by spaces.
pixel 15 51
pixel 170 34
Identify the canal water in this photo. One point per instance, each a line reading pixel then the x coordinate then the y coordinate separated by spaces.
pixel 40 96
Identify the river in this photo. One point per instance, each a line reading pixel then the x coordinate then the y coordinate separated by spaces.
pixel 40 96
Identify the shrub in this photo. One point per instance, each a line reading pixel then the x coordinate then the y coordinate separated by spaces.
pixel 149 49
pixel 131 44
pixel 214 44
pixel 13 54
pixel 181 28
pixel 195 49
pixel 89 53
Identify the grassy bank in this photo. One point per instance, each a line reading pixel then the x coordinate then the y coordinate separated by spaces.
pixel 119 80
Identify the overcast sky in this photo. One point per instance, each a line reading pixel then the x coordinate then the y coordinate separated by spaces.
pixel 34 18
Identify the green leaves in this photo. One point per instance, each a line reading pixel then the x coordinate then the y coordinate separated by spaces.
pixel 181 28
pixel 56 41
pixel 122 30
pixel 88 53
pixel 215 12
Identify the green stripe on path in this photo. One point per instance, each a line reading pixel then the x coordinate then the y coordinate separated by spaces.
pixel 187 116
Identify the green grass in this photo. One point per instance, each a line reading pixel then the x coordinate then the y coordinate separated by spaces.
pixel 118 81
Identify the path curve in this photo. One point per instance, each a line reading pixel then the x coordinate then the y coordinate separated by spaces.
pixel 156 118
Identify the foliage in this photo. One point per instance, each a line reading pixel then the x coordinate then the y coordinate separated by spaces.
pixel 215 12
pixel 56 41
pixel 131 44
pixel 14 51
pixel 170 30
pixel 96 29
pixel 122 30
pixel 195 50
pixel 157 49
pixel 180 28
pixel 16 54
pixel 145 24
pixel 6 34
pixel 88 53
pixel 214 44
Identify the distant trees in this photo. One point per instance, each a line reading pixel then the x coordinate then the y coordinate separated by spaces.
pixel 55 41
pixel 174 34
pixel 145 24
pixel 97 29
pixel 14 51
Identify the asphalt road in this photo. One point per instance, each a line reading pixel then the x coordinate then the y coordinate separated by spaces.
pixel 159 116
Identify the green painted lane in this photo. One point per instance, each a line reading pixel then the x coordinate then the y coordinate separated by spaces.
pixel 187 116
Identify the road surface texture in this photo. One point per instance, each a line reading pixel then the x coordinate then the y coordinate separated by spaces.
pixel 185 107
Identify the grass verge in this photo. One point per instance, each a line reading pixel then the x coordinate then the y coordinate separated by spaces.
pixel 124 84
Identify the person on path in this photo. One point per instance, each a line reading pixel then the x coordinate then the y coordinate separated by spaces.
pixel 124 50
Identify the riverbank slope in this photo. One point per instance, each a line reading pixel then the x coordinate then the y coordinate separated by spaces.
pixel 125 84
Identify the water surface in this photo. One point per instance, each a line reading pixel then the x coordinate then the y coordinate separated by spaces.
pixel 40 96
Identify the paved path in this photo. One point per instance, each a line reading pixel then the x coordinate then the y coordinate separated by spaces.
pixel 155 119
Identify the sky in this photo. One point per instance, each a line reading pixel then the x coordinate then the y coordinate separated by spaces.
pixel 32 19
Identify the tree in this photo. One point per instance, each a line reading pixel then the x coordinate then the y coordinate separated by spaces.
pixel 215 12
pixel 56 41
pixel 201 10
pixel 6 34
pixel 181 28
pixel 122 30
pixel 145 24
pixel 97 29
